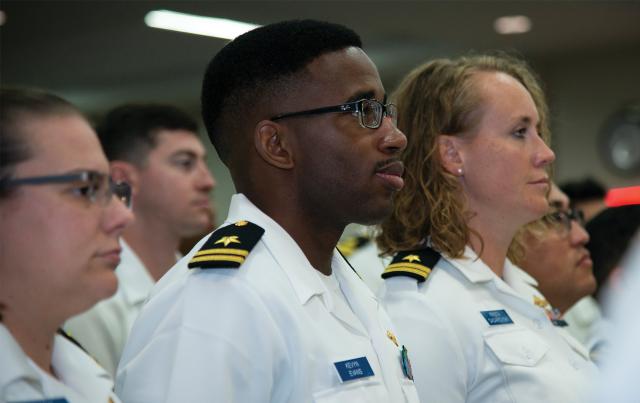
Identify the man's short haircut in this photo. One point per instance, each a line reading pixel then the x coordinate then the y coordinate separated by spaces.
pixel 254 65
pixel 130 131
pixel 583 190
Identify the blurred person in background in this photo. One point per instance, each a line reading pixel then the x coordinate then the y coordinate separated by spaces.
pixel 611 233
pixel 59 239
pixel 556 256
pixel 476 171
pixel 586 195
pixel 621 365
pixel 156 149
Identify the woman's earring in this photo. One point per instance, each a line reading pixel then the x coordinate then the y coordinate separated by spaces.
pixel 460 172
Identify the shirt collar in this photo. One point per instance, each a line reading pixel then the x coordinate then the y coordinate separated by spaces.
pixel 76 370
pixel 134 281
pixel 472 267
pixel 15 364
pixel 282 248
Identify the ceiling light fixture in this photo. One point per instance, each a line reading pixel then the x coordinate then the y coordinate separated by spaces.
pixel 512 24
pixel 196 24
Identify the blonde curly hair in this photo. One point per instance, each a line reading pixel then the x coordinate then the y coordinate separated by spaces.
pixel 437 98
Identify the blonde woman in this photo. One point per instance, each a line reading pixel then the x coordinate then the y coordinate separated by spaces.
pixel 476 171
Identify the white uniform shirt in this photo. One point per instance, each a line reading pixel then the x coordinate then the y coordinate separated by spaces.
pixel 103 329
pixel 369 265
pixel 458 356
pixel 81 380
pixel 621 366
pixel 268 331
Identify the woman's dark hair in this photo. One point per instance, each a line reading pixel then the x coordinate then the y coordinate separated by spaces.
pixel 16 106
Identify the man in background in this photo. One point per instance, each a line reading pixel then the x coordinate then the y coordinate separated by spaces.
pixel 586 195
pixel 156 149
pixel 556 255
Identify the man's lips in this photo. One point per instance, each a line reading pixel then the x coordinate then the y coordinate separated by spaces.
pixel 391 172
pixel 203 203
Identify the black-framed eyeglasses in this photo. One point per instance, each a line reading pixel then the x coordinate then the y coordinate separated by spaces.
pixel 95 186
pixel 370 112
pixel 561 219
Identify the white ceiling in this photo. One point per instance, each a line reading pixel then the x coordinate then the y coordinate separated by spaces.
pixel 99 53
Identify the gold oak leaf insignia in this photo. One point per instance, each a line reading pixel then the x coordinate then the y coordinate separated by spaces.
pixel 541 302
pixel 226 240
pixel 392 337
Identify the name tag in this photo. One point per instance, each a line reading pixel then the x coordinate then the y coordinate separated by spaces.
pixel 354 368
pixel 498 317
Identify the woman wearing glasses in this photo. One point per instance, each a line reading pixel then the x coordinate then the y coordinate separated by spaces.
pixel 60 229
pixel 476 171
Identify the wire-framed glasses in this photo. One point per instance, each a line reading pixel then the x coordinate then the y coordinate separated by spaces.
pixel 370 112
pixel 561 219
pixel 94 186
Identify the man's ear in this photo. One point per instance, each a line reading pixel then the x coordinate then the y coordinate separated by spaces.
pixel 125 171
pixel 450 155
pixel 272 144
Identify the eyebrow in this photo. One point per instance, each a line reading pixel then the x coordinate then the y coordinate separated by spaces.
pixel 363 95
pixel 186 153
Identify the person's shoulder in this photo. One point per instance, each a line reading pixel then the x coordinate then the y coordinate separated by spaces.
pixel 228 247
pixel 416 264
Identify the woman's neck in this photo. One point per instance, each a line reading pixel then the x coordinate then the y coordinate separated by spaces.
pixel 494 245
pixel 35 337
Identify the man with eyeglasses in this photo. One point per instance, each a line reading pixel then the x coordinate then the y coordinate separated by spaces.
pixel 155 148
pixel 557 258
pixel 269 310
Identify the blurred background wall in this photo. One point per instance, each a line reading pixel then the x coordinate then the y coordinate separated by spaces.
pixel 100 53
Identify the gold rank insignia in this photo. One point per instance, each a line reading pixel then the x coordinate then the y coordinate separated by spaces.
pixel 351 244
pixel 415 263
pixel 541 302
pixel 227 247
pixel 392 337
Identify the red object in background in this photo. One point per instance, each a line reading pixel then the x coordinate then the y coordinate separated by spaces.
pixel 622 196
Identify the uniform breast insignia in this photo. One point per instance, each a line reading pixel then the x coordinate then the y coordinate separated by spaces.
pixel 393 338
pixel 227 247
pixel 416 263
pixel 554 315
pixel 350 245
pixel 406 364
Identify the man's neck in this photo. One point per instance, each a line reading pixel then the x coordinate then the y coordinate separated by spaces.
pixel 155 247
pixel 316 236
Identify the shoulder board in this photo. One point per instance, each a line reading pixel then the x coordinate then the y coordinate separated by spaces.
pixel 227 247
pixel 414 263
pixel 349 245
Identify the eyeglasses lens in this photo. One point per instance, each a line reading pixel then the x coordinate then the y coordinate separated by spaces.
pixel 371 113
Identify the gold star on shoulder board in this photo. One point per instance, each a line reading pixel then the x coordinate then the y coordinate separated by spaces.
pixel 226 240
pixel 241 223
pixel 411 258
